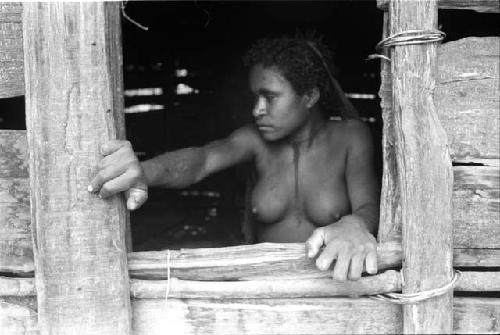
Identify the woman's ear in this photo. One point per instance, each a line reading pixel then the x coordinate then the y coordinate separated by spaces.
pixel 312 97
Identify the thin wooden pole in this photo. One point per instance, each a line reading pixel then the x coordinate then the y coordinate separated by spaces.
pixel 424 171
pixel 72 57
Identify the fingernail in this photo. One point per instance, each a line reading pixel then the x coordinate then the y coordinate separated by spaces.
pixel 89 188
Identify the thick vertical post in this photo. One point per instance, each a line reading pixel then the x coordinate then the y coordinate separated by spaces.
pixel 72 57
pixel 424 171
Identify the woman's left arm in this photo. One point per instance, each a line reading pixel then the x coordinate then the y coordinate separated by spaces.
pixel 350 241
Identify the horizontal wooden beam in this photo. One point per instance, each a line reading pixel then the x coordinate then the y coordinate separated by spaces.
pixel 11 44
pixel 389 281
pixel 257 316
pixel 482 6
pixel 286 259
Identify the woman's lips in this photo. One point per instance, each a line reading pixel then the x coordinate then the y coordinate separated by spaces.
pixel 264 127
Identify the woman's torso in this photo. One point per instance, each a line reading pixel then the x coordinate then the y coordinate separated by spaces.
pixel 298 190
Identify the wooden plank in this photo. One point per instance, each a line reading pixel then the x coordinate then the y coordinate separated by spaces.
pixel 266 316
pixel 476 257
pixel 71 108
pixel 15 234
pixel 245 262
pixel 11 44
pixel 424 171
pixel 271 316
pixel 481 6
pixel 466 96
pixel 389 281
pixel 283 260
pixel 476 206
pixel 473 281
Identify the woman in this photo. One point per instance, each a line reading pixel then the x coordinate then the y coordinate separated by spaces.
pixel 316 182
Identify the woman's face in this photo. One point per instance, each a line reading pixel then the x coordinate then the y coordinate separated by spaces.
pixel 279 111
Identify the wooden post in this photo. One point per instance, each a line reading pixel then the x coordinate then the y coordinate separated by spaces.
pixel 72 58
pixel 424 171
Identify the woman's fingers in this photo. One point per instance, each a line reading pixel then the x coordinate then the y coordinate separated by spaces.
pixel 356 267
pixel 371 261
pixel 342 264
pixel 104 176
pixel 315 242
pixel 326 258
pixel 119 184
pixel 136 197
pixel 112 146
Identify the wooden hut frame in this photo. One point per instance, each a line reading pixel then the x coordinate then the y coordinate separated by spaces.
pixel 69 55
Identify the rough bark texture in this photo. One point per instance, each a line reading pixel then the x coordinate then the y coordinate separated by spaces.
pixel 390 204
pixel 73 104
pixel 467 98
pixel 424 171
pixel 482 6
pixel 246 262
pixel 11 46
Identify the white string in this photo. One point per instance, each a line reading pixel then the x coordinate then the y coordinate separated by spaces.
pixel 406 38
pixel 413 298
pixel 168 275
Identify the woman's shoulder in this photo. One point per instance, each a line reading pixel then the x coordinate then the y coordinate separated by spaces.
pixel 348 131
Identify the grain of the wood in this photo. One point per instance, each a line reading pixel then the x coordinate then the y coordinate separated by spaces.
pixel 476 257
pixel 473 281
pixel 266 316
pixel 298 316
pixel 18 316
pixel 390 209
pixel 79 239
pixel 424 171
pixel 476 205
pixel 11 44
pixel 15 234
pixel 389 281
pixel 246 262
pixel 289 261
pixel 481 6
pixel 466 96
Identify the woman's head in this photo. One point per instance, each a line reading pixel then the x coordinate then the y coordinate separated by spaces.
pixel 298 61
pixel 291 86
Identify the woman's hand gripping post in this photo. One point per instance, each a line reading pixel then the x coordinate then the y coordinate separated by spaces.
pixel 120 171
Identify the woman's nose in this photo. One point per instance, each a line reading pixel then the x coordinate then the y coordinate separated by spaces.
pixel 260 108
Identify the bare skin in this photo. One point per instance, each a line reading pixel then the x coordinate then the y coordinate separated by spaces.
pixel 316 182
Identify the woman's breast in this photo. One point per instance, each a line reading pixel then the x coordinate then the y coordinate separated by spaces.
pixel 319 204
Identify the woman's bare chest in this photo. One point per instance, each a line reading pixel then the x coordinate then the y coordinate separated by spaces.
pixel 301 186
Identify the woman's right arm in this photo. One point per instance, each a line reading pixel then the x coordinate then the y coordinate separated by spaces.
pixel 120 170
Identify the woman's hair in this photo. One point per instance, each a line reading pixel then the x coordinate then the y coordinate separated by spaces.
pixel 301 61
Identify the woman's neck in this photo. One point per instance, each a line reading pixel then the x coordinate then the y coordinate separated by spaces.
pixel 307 133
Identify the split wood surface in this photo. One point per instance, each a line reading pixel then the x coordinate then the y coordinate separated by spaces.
pixel 424 171
pixel 267 316
pixel 73 61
